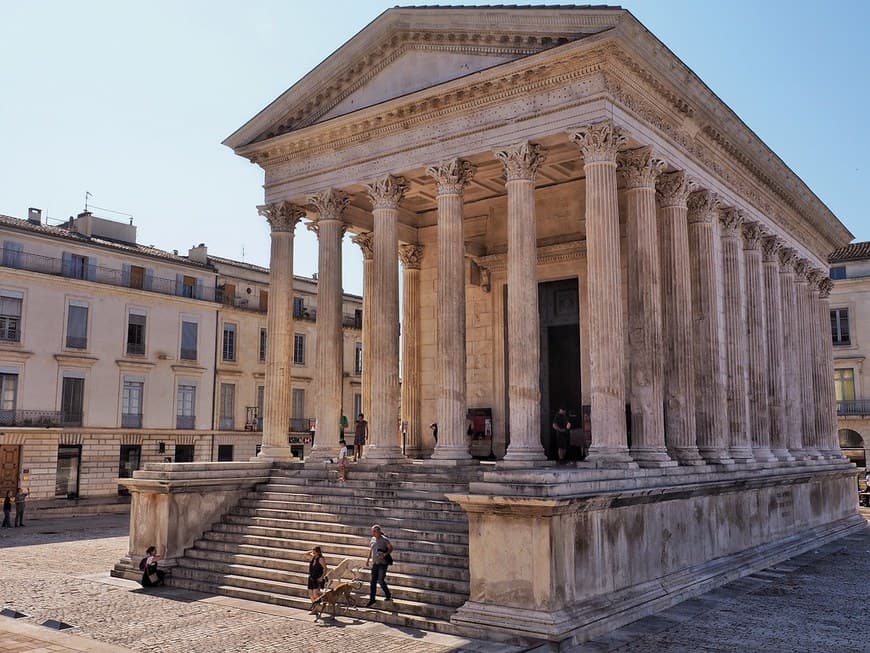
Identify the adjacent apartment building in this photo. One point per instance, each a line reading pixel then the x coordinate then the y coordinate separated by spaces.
pixel 850 317
pixel 113 354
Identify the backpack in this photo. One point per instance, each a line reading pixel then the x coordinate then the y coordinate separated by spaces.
pixel 142 563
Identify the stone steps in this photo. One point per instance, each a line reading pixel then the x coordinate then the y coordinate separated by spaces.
pixel 343 497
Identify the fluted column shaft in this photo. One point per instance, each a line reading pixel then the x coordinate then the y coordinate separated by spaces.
pixel 805 351
pixel 599 144
pixel 775 352
pixel 365 241
pixel 640 170
pixel 410 256
pixel 827 412
pixel 679 384
pixel 383 442
pixel 329 373
pixel 282 219
pixel 524 395
pixel 711 416
pixel 790 346
pixel 734 298
pixel 756 336
pixel 451 178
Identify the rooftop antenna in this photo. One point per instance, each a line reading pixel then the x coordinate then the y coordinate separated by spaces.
pixel 243 253
pixel 87 195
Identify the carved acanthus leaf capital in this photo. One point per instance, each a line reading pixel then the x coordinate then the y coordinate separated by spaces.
pixel 770 246
pixel 330 204
pixel 752 235
pixel 673 189
pixel 411 256
pixel 313 227
pixel 366 242
pixel 731 220
pixel 282 216
pixel 814 276
pixel 521 161
pixel 600 142
pixel 825 287
pixel 386 193
pixel 801 267
pixel 639 167
pixel 703 206
pixel 451 176
pixel 787 259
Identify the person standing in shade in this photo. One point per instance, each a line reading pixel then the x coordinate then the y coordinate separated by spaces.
pixel 7 510
pixel 562 429
pixel 361 433
pixel 20 498
pixel 379 548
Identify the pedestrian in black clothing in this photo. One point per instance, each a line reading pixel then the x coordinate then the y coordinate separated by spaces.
pixel 7 510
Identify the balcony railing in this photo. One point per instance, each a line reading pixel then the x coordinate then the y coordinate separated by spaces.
pixel 131 420
pixel 185 421
pixel 188 354
pixel 854 407
pixel 73 342
pixel 135 348
pixel 301 424
pixel 39 418
pixel 70 418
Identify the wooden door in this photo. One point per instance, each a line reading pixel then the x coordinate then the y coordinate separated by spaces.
pixel 9 458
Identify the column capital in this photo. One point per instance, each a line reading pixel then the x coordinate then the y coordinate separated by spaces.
pixel 521 161
pixel 639 167
pixel 330 204
pixel 787 259
pixel 411 256
pixel 752 235
pixel 825 287
pixel 600 142
pixel 770 248
pixel 703 206
pixel 366 242
pixel 313 227
pixel 731 219
pixel 386 193
pixel 673 189
pixel 452 175
pixel 282 216
pixel 814 276
pixel 801 268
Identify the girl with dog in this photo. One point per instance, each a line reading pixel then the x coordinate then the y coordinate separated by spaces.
pixel 316 574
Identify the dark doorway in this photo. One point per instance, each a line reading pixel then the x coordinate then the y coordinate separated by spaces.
pixel 129 460
pixel 184 453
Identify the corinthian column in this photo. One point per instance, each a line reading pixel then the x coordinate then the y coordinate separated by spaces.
pixel 790 353
pixel 599 144
pixel 282 218
pixel 640 169
pixel 770 247
pixel 521 162
pixel 679 384
pixel 366 242
pixel 330 229
pixel 805 353
pixel 826 416
pixel 410 256
pixel 734 303
pixel 383 442
pixel 756 336
pixel 451 178
pixel 711 416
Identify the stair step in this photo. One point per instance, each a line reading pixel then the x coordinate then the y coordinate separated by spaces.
pixel 447 528
pixel 348 497
pixel 354 526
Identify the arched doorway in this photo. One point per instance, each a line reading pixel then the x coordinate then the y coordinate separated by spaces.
pixel 852 445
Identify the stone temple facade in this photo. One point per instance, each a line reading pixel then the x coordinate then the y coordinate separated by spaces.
pixel 580 222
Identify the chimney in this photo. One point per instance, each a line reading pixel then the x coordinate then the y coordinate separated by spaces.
pixel 34 216
pixel 198 253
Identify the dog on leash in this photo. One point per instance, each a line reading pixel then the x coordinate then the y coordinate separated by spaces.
pixel 340 593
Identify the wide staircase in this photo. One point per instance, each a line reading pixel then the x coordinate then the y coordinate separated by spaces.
pixel 258 551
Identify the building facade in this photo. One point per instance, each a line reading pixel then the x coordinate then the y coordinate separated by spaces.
pixel 113 354
pixel 850 315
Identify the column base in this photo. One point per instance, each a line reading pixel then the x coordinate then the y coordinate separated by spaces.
pixel 523 456
pixel 608 458
pixel 318 454
pixel 741 455
pixel 715 456
pixel 782 455
pixel 798 454
pixel 454 462
pixel 687 456
pixel 451 453
pixel 275 453
pixel 389 454
pixel 812 454
pixel 652 457
pixel 763 455
pixel 833 454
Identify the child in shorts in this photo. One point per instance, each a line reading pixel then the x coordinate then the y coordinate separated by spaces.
pixel 342 461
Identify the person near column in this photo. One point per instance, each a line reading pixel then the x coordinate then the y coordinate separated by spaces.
pixel 7 510
pixel 562 430
pixel 20 499
pixel 360 433
pixel 151 575
pixel 380 550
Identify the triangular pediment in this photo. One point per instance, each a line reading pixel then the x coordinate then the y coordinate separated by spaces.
pixel 408 49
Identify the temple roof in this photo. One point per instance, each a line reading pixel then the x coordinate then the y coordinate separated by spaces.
pixel 851 252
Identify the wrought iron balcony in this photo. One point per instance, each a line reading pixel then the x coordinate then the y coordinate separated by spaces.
pixel 854 407
pixel 188 354
pixel 70 418
pixel 185 421
pixel 131 420
pixel 35 418
pixel 135 348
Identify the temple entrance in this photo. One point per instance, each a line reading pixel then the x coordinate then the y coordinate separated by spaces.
pixel 559 314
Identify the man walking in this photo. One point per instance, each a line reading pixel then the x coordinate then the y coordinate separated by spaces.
pixel 20 497
pixel 380 549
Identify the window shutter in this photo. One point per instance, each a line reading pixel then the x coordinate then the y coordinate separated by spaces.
pixel 125 274
pixel 92 268
pixel 149 278
pixel 179 284
pixel 66 264
pixel 12 254
pixel 197 292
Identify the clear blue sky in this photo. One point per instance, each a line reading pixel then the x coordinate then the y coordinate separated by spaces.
pixel 131 100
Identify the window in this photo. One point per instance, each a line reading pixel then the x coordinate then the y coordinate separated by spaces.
pixel 131 404
pixel 357 318
pixel 229 294
pixel 298 421
pixel 261 392
pixel 844 384
pixel 136 334
pixel 298 306
pixel 129 459
pixel 184 453
pixel 72 398
pixel 357 405
pixel 10 316
pixel 137 276
pixel 185 413
pixel 188 340
pixel 299 349
pixel 66 483
pixel 228 406
pixel 229 348
pixel 225 453
pixel 262 345
pixel 8 396
pixel 186 286
pixel 840 326
pixel 357 358
pixel 77 266
pixel 11 254
pixel 77 326
pixel 264 300
pixel 838 272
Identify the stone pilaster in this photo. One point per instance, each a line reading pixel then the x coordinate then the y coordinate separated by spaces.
pixel 410 255
pixel 711 411
pixel 521 163
pixel 790 351
pixel 599 144
pixel 640 168
pixel 826 415
pixel 365 241
pixel 282 218
pixel 734 303
pixel 806 359
pixel 383 444
pixel 329 204
pixel 678 356
pixel 756 338
pixel 770 247
pixel 451 178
